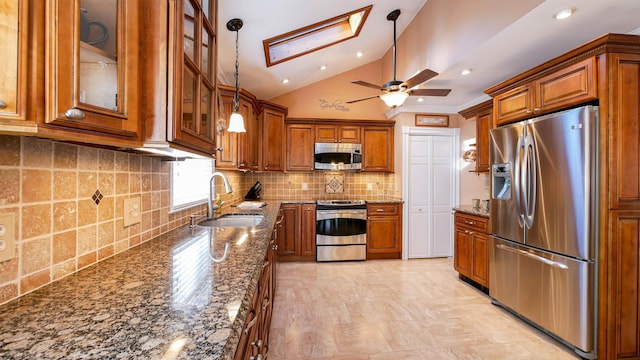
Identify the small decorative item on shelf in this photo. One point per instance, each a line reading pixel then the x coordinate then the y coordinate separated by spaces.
pixel 469 155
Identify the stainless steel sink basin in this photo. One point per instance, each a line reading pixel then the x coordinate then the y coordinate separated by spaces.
pixel 234 220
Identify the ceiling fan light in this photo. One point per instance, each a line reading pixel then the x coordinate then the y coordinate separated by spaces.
pixel 236 123
pixel 394 99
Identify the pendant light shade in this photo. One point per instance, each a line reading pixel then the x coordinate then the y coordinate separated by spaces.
pixel 236 122
pixel 395 98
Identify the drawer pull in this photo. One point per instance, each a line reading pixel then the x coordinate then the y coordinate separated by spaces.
pixel 380 210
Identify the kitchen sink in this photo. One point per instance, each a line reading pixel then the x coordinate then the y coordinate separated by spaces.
pixel 234 220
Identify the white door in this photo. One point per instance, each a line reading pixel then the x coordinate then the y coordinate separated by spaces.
pixel 430 191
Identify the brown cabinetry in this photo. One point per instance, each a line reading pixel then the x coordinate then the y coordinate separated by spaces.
pixel 297 240
pixel 377 148
pixel 273 142
pixel 227 142
pixel 254 338
pixel 340 134
pixel 93 85
pixel 249 141
pixel 605 70
pixel 471 248
pixel 180 110
pixel 17 106
pixel 384 231
pixel 483 113
pixel 571 85
pixel 299 147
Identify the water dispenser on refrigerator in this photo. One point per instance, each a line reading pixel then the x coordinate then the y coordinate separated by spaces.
pixel 501 182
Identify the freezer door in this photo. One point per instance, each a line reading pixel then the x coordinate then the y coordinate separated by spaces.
pixel 561 180
pixel 554 292
pixel 503 207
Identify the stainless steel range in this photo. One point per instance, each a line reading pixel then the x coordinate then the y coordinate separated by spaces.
pixel 341 230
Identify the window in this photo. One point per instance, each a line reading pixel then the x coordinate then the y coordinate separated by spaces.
pixel 189 182
pixel 314 37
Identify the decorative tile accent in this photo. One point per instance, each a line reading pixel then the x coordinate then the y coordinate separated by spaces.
pixel 97 197
pixel 333 183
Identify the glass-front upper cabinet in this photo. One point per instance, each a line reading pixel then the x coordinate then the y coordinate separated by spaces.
pixel 14 67
pixel 193 73
pixel 92 72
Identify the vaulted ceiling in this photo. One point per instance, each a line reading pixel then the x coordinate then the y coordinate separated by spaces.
pixel 497 39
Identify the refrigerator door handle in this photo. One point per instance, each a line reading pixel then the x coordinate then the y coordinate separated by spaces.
pixel 531 164
pixel 517 184
pixel 533 256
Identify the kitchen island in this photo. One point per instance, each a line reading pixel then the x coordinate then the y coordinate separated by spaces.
pixel 164 299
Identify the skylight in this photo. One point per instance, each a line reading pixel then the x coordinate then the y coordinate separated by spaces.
pixel 314 37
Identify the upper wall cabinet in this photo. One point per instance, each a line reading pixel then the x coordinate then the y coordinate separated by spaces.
pixel 192 73
pixel 338 134
pixel 15 63
pixel 566 87
pixel 483 113
pixel 92 68
pixel 273 133
pixel 180 109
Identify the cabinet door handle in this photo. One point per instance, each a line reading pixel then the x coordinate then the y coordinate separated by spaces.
pixel 75 114
pixel 259 357
pixel 3 104
pixel 257 344
pixel 536 109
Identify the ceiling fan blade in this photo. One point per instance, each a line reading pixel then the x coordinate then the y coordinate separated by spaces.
pixel 429 92
pixel 420 77
pixel 364 83
pixel 361 99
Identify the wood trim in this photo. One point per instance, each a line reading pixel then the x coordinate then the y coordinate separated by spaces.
pixel 337 122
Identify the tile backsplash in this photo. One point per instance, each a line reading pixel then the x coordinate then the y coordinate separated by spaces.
pixel 50 186
pixel 68 201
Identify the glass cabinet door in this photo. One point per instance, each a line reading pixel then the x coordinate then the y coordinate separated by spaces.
pixel 194 89
pixel 93 82
pixel 14 27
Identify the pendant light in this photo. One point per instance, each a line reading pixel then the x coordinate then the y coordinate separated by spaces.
pixel 236 122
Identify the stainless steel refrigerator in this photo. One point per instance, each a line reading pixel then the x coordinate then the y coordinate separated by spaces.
pixel 543 222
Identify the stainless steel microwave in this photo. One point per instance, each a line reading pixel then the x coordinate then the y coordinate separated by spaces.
pixel 337 156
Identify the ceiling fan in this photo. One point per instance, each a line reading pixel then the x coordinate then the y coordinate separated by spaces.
pixel 395 92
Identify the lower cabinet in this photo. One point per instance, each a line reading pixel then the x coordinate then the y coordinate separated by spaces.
pixel 471 248
pixel 254 340
pixel 384 231
pixel 297 241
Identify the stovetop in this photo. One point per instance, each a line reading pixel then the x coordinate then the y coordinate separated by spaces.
pixel 341 202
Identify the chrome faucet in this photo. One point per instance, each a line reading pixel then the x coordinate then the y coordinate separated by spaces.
pixel 227 187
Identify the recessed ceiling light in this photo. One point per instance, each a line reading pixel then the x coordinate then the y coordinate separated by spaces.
pixel 420 99
pixel 466 71
pixel 563 14
pixel 284 81
pixel 359 54
pixel 323 67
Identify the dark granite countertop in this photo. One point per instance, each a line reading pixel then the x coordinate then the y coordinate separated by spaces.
pixel 162 299
pixel 468 209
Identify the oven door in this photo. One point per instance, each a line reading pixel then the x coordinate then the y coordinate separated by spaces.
pixel 341 227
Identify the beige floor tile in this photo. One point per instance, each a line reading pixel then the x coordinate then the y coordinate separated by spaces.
pixel 392 309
